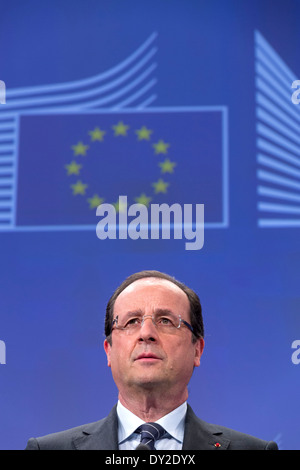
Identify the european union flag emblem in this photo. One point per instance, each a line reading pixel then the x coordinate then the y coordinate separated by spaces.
pixel 71 163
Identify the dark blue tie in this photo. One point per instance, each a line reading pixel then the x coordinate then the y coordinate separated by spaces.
pixel 150 432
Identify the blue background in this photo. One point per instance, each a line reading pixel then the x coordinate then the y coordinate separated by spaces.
pixel 55 283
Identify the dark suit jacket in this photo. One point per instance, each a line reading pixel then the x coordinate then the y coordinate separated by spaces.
pixel 103 435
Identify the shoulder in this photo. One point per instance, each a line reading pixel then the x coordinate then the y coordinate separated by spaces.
pixel 242 441
pixel 62 440
pixel 211 436
pixel 95 435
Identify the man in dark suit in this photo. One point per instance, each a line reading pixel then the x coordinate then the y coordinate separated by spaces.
pixel 154 340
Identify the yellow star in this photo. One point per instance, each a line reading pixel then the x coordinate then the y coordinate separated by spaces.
pixel 79 188
pixel 73 168
pixel 160 186
pixel 80 149
pixel 161 147
pixel 143 133
pixel 95 201
pixel 120 129
pixel 119 207
pixel 97 134
pixel 143 199
pixel 167 166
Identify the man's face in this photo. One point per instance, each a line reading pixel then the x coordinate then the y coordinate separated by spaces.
pixel 149 359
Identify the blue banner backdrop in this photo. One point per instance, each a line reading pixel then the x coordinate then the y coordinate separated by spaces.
pixel 186 102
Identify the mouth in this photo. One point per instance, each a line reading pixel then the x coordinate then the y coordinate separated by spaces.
pixel 147 357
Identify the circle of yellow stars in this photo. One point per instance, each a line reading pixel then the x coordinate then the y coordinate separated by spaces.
pixel 120 129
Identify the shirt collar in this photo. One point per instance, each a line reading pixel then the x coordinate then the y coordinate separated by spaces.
pixel 173 422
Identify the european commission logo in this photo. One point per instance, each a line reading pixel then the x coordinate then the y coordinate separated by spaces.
pixel 67 149
pixel 278 141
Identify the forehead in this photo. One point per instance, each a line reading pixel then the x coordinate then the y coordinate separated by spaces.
pixel 152 292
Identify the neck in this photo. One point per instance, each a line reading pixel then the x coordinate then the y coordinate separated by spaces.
pixel 149 407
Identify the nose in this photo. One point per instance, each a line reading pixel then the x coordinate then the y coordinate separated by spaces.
pixel 148 330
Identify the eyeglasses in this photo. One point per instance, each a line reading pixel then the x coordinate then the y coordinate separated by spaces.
pixel 164 322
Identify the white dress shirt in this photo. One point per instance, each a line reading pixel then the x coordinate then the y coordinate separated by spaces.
pixel 173 423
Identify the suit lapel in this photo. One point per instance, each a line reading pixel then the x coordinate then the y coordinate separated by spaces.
pixel 200 435
pixel 102 435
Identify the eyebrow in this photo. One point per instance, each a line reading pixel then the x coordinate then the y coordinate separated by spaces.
pixel 160 311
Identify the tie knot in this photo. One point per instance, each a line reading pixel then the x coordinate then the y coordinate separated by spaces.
pixel 150 432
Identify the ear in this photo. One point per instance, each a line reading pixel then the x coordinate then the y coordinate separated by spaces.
pixel 199 346
pixel 107 349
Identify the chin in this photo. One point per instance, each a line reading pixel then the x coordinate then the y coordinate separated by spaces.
pixel 150 382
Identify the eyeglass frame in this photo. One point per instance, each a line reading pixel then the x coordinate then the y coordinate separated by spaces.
pixel 188 325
